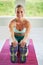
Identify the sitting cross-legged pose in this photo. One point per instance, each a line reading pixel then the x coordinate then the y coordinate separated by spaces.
pixel 20 29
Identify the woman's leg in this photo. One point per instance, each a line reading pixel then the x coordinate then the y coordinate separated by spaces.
pixel 23 51
pixel 13 51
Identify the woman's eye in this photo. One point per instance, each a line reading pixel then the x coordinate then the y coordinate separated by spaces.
pixel 21 11
pixel 17 11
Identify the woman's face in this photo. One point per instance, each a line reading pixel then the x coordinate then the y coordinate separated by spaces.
pixel 19 12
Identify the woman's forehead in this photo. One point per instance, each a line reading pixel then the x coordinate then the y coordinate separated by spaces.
pixel 20 9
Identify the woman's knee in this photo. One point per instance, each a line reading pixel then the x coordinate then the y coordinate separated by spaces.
pixel 13 49
pixel 23 50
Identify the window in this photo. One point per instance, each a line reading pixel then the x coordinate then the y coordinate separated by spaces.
pixel 34 7
pixel 7 7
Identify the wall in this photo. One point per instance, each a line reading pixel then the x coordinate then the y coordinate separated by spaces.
pixel 35 21
pixel 36 34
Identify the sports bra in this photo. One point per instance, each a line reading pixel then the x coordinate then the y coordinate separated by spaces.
pixel 17 31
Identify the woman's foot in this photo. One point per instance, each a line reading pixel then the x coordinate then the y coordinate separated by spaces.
pixel 23 51
pixel 13 55
pixel 27 53
pixel 13 58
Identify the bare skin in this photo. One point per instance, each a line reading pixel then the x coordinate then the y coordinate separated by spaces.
pixel 20 22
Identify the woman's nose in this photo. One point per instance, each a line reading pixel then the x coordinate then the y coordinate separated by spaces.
pixel 20 14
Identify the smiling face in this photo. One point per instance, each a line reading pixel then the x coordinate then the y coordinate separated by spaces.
pixel 19 12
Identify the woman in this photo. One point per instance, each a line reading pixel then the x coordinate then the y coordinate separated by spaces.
pixel 20 29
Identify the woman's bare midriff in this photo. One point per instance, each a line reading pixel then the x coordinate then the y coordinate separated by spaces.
pixel 19 34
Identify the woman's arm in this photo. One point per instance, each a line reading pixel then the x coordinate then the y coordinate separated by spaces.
pixel 11 26
pixel 28 27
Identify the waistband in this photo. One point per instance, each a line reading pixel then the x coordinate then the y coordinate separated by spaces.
pixel 19 34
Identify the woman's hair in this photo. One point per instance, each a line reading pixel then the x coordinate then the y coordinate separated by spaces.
pixel 19 6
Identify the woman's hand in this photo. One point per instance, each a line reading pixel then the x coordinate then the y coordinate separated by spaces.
pixel 15 43
pixel 23 43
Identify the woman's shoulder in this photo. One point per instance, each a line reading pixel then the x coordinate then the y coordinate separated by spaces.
pixel 13 20
pixel 26 21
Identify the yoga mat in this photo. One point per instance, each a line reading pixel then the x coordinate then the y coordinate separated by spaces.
pixel 5 55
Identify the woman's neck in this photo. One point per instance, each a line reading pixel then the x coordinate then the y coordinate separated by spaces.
pixel 20 20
